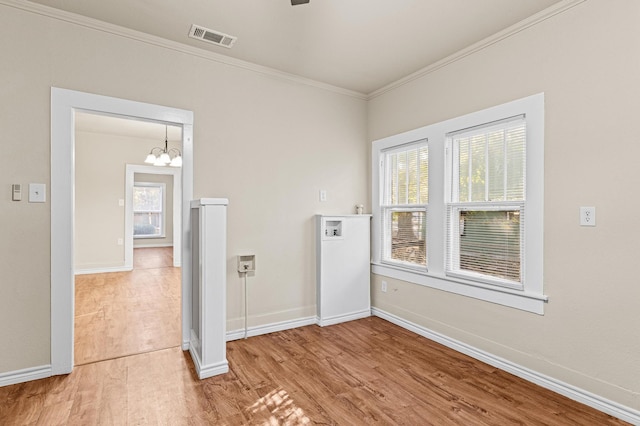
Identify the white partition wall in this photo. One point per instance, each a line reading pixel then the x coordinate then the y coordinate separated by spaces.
pixel 343 258
pixel 207 344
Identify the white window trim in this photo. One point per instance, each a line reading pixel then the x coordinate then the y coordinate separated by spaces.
pixel 531 297
pixel 163 213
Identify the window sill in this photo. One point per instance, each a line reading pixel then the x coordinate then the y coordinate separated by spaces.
pixel 517 299
pixel 148 237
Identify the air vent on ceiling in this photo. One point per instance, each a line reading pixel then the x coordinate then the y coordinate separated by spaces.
pixel 210 36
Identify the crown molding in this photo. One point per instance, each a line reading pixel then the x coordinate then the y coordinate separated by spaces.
pixel 219 58
pixel 105 27
pixel 539 17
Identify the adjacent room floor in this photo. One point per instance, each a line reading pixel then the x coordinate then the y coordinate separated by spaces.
pixel 124 313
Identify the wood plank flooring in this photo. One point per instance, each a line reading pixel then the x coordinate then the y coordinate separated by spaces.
pixel 357 373
pixel 125 313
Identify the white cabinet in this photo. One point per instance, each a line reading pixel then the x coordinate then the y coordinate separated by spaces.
pixel 343 257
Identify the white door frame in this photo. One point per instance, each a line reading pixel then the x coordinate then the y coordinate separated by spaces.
pixel 131 170
pixel 64 103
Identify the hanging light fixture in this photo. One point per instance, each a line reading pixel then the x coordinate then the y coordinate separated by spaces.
pixel 164 157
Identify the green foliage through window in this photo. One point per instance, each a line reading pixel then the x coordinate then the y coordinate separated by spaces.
pixel 487 201
pixel 406 195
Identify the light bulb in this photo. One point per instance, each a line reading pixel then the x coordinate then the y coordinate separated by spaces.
pixel 164 157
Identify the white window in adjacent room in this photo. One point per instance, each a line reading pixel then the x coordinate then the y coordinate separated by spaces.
pixel 463 212
pixel 148 210
pixel 404 207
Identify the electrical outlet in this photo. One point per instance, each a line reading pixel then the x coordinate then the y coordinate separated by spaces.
pixel 383 286
pixel 587 216
pixel 246 263
pixel 323 195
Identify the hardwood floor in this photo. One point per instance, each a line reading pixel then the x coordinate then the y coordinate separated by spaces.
pixel 356 373
pixel 124 313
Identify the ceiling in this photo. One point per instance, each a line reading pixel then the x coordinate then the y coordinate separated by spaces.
pixel 129 127
pixel 359 45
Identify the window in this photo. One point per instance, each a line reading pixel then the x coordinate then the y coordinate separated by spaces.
pixel 148 210
pixel 458 205
pixel 486 209
pixel 404 209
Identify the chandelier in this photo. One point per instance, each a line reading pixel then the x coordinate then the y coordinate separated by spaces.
pixel 164 157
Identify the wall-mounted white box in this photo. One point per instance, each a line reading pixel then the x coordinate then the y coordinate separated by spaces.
pixel 343 268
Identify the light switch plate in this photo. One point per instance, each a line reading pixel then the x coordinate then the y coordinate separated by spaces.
pixel 37 193
pixel 16 192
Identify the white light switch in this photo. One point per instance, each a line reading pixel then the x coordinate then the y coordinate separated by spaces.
pixel 37 193
pixel 16 192
pixel 587 216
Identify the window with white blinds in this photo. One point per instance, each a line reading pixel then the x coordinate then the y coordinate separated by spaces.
pixel 458 205
pixel 486 212
pixel 404 207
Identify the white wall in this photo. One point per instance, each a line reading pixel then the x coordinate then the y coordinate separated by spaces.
pixel 267 143
pixel 586 62
pixel 100 182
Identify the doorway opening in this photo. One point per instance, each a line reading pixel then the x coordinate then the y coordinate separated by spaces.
pixel 127 235
pixel 64 105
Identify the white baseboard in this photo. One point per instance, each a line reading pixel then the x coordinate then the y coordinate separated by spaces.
pixel 106 270
pixel 336 319
pixel 270 328
pixel 602 404
pixel 157 245
pixel 25 375
pixel 206 371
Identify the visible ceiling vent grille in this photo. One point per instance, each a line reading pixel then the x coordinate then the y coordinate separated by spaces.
pixel 210 36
